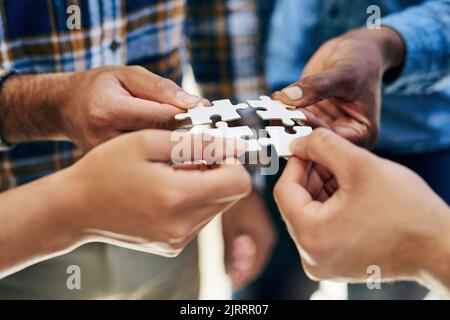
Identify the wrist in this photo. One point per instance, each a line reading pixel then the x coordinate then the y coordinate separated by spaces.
pixel 65 205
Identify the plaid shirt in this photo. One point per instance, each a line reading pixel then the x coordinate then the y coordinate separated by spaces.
pixel 222 36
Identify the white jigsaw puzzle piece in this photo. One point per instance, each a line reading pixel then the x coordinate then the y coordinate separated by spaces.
pixel 276 110
pixel 202 115
pixel 280 139
pixel 242 132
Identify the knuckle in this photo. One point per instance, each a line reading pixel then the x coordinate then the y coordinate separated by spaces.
pixel 96 117
pixel 136 69
pixel 319 80
pixel 322 136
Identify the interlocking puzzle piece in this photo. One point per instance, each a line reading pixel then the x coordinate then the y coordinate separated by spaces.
pixel 280 139
pixel 222 108
pixel 276 110
pixel 240 133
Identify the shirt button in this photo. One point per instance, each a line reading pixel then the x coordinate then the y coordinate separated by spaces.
pixel 114 45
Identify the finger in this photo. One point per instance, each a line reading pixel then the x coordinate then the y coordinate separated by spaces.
pixel 314 88
pixel 276 95
pixel 336 154
pixel 333 108
pixel 134 114
pixel 191 166
pixel 330 182
pixel 225 184
pixel 144 84
pixel 315 184
pixel 299 210
pixel 323 196
pixel 179 146
pixel 323 172
pixel 331 186
pixel 293 181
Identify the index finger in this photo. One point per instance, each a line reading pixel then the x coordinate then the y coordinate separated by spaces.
pixel 222 184
pixel 180 145
pixel 134 114
pixel 297 206
pixel 290 191
pixel 144 84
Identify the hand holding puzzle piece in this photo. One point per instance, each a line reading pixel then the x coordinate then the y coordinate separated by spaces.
pixel 272 110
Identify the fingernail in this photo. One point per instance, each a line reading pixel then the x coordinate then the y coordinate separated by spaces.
pixel 294 93
pixel 186 97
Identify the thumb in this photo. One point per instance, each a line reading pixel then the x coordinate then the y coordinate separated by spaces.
pixel 141 83
pixel 314 88
pixel 343 159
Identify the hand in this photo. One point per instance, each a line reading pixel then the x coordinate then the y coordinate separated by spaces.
pixel 249 237
pixel 125 192
pixel 379 214
pixel 340 88
pixel 89 107
pixel 105 102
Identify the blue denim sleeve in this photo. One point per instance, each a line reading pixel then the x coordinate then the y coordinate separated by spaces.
pixel 425 29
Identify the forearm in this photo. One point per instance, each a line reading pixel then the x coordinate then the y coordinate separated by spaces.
pixel 388 43
pixel 36 222
pixel 30 107
pixel 435 271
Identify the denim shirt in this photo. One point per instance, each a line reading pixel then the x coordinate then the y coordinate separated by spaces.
pixel 416 106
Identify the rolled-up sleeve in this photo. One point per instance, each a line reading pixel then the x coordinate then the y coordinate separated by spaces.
pixel 425 29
